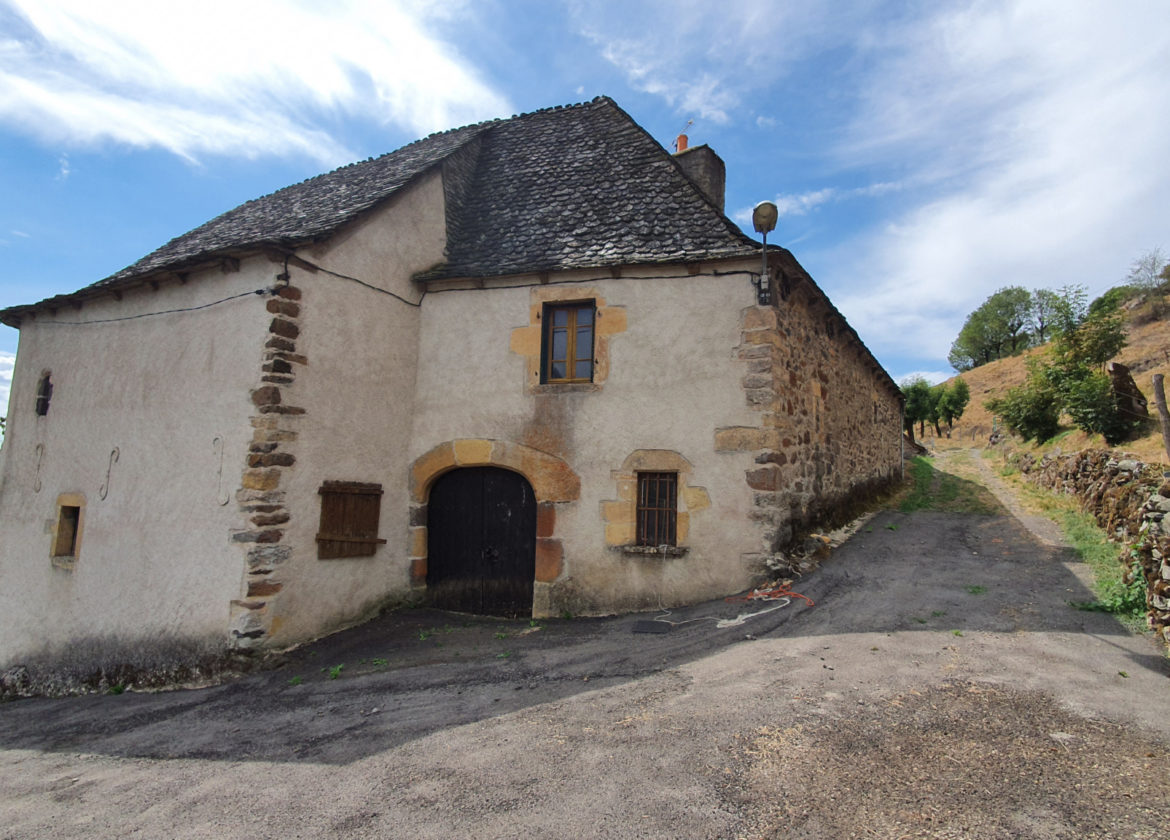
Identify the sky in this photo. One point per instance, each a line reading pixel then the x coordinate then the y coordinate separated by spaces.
pixel 922 154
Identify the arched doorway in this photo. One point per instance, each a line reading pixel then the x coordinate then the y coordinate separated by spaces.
pixel 481 542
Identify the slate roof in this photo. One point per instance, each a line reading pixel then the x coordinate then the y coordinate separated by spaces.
pixel 578 187
pixel 567 187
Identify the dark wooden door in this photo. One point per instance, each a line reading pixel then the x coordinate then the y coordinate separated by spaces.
pixel 481 542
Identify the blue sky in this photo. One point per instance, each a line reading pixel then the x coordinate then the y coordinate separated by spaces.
pixel 922 154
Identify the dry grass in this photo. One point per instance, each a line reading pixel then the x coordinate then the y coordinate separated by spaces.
pixel 1147 352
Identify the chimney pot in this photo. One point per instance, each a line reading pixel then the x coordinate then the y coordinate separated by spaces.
pixel 680 145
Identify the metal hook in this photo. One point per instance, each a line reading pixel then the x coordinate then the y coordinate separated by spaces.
pixel 105 488
pixel 37 481
pixel 221 497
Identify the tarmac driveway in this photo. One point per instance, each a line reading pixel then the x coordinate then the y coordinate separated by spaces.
pixel 941 686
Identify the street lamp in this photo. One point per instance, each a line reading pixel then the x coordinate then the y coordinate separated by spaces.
pixel 764 216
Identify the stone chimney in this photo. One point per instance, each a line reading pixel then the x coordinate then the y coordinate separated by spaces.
pixel 704 168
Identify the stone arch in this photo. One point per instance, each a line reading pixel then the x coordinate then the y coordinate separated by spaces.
pixel 553 481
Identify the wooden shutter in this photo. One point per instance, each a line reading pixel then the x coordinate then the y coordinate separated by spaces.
pixel 349 519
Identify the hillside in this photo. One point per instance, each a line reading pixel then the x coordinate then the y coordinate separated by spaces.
pixel 1147 351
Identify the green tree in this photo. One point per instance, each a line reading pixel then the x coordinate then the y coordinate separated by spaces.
pixel 1031 410
pixel 1111 300
pixel 1045 307
pixel 934 413
pixel 1091 343
pixel 919 405
pixel 1071 310
pixel 954 402
pixel 996 329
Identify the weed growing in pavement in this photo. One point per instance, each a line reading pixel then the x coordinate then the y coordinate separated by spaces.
pixel 423 635
pixel 504 655
pixel 334 671
pixel 379 661
pixel 976 590
pixel 501 635
pixel 956 632
pixel 938 613
pixel 297 680
pixel 117 688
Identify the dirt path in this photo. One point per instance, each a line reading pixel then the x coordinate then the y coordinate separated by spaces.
pixel 940 687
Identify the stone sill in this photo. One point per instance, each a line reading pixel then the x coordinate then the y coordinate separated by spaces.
pixel 565 388
pixel 653 551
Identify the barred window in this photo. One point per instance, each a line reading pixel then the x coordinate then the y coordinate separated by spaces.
pixel 657 513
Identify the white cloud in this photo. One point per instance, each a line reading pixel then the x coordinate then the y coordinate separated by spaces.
pixel 226 77
pixel 20 233
pixel 800 204
pixel 7 362
pixel 1033 127
pixel 702 58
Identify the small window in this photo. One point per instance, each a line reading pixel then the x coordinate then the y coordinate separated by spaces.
pixel 44 394
pixel 349 519
pixel 67 529
pixel 568 343
pixel 657 513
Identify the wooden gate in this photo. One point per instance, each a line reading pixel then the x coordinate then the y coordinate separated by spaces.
pixel 481 542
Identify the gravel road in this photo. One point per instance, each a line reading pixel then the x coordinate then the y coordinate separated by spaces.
pixel 941 686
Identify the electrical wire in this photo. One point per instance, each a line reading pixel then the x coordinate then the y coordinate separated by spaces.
pixel 160 312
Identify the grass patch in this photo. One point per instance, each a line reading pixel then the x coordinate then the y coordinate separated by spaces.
pixel 1127 601
pixel 950 492
pixel 921 484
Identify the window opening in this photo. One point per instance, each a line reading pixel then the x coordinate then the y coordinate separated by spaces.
pixel 44 394
pixel 657 513
pixel 349 519
pixel 568 344
pixel 68 520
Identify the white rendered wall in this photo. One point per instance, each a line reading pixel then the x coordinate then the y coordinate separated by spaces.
pixel 673 379
pixel 357 389
pixel 170 393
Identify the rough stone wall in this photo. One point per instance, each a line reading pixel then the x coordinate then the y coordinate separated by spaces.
pixel 260 497
pixel 829 432
pixel 1130 501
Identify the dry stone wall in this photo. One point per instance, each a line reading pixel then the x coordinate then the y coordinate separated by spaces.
pixel 1130 501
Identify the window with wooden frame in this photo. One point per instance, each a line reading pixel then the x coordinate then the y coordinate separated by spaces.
pixel 349 519
pixel 657 511
pixel 567 355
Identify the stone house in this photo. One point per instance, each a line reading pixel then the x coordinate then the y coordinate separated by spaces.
pixel 519 367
